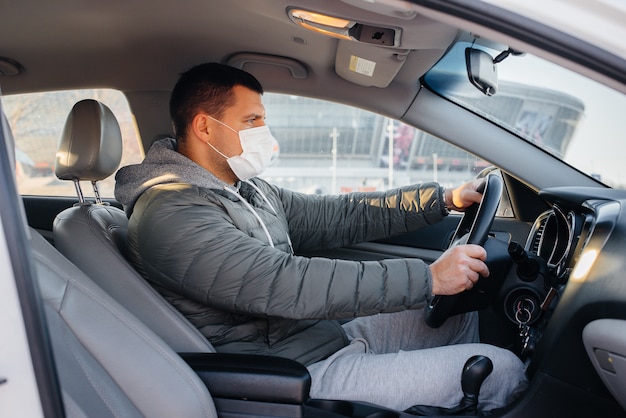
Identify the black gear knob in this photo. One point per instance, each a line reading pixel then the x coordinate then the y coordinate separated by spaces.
pixel 475 371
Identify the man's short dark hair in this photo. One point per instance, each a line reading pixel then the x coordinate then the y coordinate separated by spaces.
pixel 206 88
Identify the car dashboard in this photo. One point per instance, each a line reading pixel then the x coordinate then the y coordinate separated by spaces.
pixel 569 275
pixel 543 267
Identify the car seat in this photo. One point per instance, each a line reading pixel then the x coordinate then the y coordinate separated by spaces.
pixel 108 362
pixel 92 234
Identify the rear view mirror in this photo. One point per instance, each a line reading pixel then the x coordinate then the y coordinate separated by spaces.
pixel 482 71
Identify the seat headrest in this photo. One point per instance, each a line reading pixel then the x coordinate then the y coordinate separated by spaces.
pixel 91 144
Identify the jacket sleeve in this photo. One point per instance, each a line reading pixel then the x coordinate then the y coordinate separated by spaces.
pixel 337 221
pixel 192 248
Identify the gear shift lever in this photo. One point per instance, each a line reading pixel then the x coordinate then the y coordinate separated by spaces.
pixel 475 371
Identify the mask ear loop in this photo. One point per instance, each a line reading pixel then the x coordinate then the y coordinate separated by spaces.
pixel 211 145
pixel 216 150
pixel 222 123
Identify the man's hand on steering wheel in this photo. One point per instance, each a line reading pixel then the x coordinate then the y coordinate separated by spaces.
pixel 458 269
pixel 465 195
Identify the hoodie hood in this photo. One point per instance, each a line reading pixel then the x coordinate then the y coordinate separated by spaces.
pixel 163 164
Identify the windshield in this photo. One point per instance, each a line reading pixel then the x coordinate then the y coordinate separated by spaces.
pixel 568 115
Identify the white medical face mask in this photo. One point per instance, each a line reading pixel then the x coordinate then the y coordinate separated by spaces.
pixel 257 145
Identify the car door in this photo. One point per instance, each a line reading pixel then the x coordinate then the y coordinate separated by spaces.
pixel 28 384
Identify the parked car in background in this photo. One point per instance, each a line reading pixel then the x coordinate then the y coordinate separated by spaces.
pixel 362 95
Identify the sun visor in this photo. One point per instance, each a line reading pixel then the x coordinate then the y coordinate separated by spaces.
pixel 368 65
pixel 250 59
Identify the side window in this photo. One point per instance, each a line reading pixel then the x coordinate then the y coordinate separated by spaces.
pixel 332 148
pixel 37 121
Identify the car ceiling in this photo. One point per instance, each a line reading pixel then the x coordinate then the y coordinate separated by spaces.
pixel 142 46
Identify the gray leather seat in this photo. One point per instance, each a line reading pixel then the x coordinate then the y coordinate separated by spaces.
pixel 92 234
pixel 109 363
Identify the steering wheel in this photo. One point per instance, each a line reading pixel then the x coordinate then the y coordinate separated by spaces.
pixel 473 229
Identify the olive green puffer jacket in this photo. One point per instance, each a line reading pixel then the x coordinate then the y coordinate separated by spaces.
pixel 224 258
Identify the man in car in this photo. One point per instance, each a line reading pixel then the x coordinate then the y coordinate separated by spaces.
pixel 222 246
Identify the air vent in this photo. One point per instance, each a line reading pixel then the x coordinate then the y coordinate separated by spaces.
pixel 536 239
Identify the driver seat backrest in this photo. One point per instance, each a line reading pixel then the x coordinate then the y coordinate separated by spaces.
pixel 93 234
pixel 109 364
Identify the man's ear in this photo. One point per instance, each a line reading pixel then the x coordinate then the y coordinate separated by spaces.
pixel 200 127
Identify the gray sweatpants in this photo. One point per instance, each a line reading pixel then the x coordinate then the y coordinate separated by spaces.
pixel 397 361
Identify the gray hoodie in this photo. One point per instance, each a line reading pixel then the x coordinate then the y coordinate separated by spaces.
pixel 223 256
pixel 163 164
